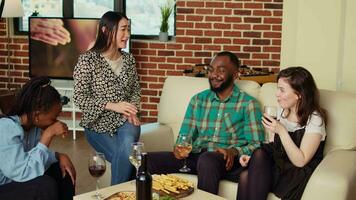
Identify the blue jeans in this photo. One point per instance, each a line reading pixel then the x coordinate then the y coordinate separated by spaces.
pixel 116 149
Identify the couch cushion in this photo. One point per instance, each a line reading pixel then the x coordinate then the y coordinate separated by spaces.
pixel 149 134
pixel 267 95
pixel 341 127
pixel 176 94
pixel 250 87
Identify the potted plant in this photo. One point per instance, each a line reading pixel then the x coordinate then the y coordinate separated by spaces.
pixel 166 11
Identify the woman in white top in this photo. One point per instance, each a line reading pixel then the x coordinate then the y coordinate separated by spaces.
pixel 285 165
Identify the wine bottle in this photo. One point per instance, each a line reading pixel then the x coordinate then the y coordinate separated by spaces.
pixel 143 181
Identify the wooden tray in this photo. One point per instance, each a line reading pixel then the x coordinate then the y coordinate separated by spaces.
pixel 181 194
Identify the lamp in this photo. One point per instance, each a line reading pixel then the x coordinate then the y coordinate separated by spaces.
pixel 10 9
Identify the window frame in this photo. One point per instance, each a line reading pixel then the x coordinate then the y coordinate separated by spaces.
pixel 119 5
pixel 68 12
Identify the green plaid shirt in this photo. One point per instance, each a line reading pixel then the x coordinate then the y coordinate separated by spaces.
pixel 234 122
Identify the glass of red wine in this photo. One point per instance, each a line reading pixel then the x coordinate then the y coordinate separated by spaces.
pixel 272 112
pixel 184 147
pixel 97 167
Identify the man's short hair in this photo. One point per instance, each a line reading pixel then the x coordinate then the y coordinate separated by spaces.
pixel 233 58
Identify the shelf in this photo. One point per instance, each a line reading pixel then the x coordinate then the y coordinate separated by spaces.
pixel 261 79
pixel 70 109
pixel 65 88
pixel 69 123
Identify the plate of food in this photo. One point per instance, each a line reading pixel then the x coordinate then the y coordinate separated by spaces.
pixel 123 195
pixel 172 186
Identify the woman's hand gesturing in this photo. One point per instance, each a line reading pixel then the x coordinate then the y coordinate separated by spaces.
pixel 122 107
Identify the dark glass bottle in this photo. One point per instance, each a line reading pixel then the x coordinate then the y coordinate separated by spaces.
pixel 144 181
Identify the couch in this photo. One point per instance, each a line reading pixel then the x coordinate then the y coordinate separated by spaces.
pixel 334 178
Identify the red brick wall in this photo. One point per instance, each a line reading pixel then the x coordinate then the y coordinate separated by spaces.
pixel 18 65
pixel 251 28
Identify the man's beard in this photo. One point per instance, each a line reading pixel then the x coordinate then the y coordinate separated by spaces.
pixel 224 84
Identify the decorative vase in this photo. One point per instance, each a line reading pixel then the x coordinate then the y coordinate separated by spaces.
pixel 163 36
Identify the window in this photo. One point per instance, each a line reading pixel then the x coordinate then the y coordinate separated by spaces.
pixel 92 8
pixel 145 15
pixel 64 8
pixel 49 8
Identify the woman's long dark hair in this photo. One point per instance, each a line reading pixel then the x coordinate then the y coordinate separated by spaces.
pixel 109 21
pixel 36 95
pixel 302 82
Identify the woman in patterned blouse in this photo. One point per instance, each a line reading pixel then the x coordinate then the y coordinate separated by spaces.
pixel 107 90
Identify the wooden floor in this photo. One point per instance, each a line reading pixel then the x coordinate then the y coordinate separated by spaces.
pixel 78 150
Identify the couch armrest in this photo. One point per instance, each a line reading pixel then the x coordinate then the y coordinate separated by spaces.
pixel 157 137
pixel 334 178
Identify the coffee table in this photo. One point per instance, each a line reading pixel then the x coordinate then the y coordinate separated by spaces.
pixel 129 186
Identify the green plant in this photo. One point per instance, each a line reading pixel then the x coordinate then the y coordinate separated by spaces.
pixel 166 11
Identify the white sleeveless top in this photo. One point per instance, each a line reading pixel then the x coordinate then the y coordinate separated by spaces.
pixel 314 125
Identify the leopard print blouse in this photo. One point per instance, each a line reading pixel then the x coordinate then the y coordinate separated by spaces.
pixel 95 84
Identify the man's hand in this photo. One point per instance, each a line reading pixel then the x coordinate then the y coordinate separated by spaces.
pixel 229 156
pixel 66 166
pixel 244 160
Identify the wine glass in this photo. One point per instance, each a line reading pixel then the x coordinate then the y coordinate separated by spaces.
pixel 97 167
pixel 137 148
pixel 272 112
pixel 184 147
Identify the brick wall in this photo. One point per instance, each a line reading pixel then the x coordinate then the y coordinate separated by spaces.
pixel 251 28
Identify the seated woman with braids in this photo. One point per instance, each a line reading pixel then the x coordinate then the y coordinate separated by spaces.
pixel 28 168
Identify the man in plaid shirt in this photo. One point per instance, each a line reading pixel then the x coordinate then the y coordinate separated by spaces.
pixel 223 123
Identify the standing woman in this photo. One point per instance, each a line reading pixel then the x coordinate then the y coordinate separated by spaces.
pixel 285 165
pixel 107 90
pixel 28 168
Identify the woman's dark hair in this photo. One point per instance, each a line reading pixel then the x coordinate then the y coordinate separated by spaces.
pixel 36 95
pixel 302 82
pixel 109 21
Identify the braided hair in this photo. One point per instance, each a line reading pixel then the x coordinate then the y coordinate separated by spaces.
pixel 36 95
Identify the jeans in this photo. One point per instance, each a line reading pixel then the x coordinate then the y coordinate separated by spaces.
pixel 116 149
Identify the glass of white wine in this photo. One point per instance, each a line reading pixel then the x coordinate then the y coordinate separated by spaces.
pixel 184 147
pixel 272 112
pixel 137 148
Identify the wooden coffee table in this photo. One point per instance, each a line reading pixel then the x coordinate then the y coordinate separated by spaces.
pixel 129 186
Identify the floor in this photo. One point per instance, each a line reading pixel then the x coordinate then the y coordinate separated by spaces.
pixel 78 150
